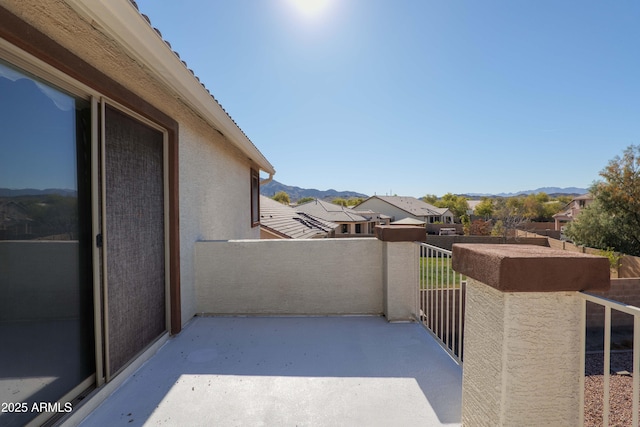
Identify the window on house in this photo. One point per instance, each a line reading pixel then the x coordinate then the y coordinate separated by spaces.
pixel 345 228
pixel 358 228
pixel 255 198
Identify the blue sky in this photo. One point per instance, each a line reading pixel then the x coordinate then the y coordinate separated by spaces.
pixel 415 97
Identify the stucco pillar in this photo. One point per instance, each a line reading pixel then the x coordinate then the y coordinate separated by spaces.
pixel 522 337
pixel 400 270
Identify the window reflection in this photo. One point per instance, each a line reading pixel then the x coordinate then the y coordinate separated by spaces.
pixel 39 126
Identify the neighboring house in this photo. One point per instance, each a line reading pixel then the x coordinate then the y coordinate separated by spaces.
pixel 350 222
pixel 571 211
pixel 472 204
pixel 92 93
pixel 278 221
pixel 400 207
pixel 14 221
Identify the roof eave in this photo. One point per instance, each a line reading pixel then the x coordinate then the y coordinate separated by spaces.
pixel 126 25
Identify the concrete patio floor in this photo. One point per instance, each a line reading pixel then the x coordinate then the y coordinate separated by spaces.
pixel 291 371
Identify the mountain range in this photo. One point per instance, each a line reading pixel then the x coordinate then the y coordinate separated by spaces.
pixel 297 193
pixel 552 191
pixel 7 192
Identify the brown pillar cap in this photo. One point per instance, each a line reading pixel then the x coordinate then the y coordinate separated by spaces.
pixel 529 268
pixel 401 233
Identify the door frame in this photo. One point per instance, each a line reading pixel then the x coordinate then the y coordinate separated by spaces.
pixel 101 273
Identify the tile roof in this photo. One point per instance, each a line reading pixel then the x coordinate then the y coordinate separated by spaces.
pixel 331 212
pixel 287 222
pixel 413 206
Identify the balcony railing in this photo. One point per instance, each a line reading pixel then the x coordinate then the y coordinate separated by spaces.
pixel 619 311
pixel 441 296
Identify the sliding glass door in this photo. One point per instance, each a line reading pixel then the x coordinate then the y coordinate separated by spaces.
pixel 83 241
pixel 47 348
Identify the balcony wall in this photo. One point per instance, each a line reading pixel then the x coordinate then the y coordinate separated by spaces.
pixel 294 277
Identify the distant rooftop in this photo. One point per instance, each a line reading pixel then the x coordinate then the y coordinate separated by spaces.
pixel 412 205
pixel 288 223
pixel 331 212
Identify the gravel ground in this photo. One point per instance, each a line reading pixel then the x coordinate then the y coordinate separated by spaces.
pixel 621 389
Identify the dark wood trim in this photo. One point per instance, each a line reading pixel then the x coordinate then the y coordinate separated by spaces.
pixel 174 233
pixel 38 44
pixel 255 198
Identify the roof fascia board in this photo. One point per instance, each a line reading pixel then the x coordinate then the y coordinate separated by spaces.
pixel 126 25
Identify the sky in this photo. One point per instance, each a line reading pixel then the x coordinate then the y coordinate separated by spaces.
pixel 415 97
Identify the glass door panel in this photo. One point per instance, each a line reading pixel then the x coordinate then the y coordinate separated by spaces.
pixel 46 297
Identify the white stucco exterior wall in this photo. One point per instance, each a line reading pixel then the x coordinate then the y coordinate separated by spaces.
pixel 306 277
pixel 215 201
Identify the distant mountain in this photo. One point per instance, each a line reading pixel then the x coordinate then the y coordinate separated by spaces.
pixel 297 193
pixel 549 190
pixel 7 192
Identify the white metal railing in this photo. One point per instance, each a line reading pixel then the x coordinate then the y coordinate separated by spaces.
pixel 610 305
pixel 441 294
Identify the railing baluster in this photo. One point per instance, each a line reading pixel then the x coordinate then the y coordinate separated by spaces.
pixel 445 272
pixel 610 305
pixel 636 370
pixel 438 311
pixel 583 356
pixel 607 365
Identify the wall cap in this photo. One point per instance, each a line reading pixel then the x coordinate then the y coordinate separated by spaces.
pixel 400 233
pixel 529 268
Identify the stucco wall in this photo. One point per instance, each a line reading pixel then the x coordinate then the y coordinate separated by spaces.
pixel 326 276
pixel 516 372
pixel 214 175
pixel 214 201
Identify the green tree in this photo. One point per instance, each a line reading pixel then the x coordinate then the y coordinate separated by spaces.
pixel 354 201
pixel 595 228
pixel 339 201
pixel 533 205
pixel 613 219
pixel 282 197
pixel 432 199
pixel 484 208
pixel 458 205
pixel 551 208
pixel 305 200
pixel 466 224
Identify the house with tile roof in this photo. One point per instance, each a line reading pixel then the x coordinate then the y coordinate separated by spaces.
pixel 571 211
pixel 351 222
pixel 401 207
pixel 278 221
